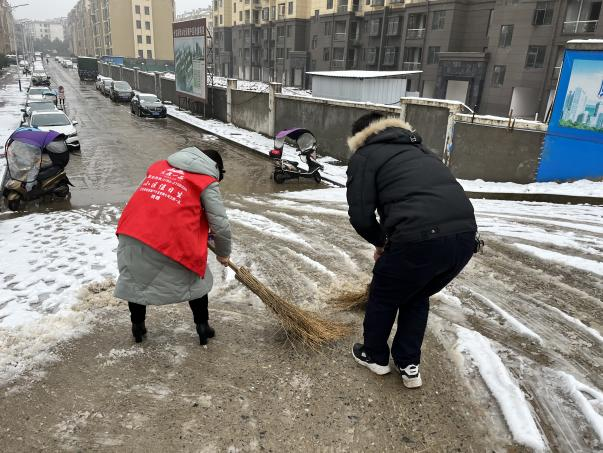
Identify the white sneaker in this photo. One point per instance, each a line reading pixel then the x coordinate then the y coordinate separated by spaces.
pixel 411 377
pixel 365 360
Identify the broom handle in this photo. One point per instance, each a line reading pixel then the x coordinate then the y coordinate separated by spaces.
pixel 232 265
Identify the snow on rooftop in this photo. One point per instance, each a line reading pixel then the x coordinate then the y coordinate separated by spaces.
pixel 585 41
pixel 363 74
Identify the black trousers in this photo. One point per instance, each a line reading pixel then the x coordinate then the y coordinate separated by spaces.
pixel 404 278
pixel 198 306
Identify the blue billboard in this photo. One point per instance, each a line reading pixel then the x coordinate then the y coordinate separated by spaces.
pixel 573 146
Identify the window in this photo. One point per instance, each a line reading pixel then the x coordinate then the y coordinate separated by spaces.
pixel 535 57
pixel 256 17
pixel 371 55
pixel 316 14
pixel 240 16
pixel 326 54
pixel 280 31
pixel 543 14
pixel 138 24
pixel 147 11
pixel 148 40
pixel 147 25
pixel 234 7
pixel 137 9
pixel 389 57
pixel 328 28
pixel 290 8
pixel 273 12
pixel 150 54
pixel 438 20
pixel 139 39
pixel 506 36
pixel 340 27
pixel 266 14
pixel 141 54
pixel 432 55
pixel 314 41
pixel 247 16
pixel 329 4
pixel 498 76
pixel 221 19
pixel 393 26
pixel 338 53
pixel 374 26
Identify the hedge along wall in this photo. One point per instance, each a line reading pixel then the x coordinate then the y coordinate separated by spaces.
pixel 250 111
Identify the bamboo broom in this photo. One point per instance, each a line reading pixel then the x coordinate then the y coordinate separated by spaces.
pixel 299 324
pixel 352 299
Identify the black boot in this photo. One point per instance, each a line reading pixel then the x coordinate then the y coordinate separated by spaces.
pixel 205 332
pixel 138 330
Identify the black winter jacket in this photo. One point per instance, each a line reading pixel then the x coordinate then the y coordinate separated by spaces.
pixel 414 193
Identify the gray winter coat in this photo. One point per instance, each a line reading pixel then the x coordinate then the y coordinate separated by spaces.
pixel 148 277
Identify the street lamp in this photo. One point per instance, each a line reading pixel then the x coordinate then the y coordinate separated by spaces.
pixel 15 33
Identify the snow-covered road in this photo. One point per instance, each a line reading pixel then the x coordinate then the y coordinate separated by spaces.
pixel 523 319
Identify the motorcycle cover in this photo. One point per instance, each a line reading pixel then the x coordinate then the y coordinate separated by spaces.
pixel 24 153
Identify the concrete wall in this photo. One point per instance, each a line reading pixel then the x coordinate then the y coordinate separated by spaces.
pixel 430 123
pixel 218 104
pixel 330 121
pixel 168 90
pixel 250 110
pixel 115 73
pixel 146 82
pixel 129 75
pixel 495 153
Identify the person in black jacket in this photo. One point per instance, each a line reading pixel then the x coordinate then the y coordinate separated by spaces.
pixel 425 235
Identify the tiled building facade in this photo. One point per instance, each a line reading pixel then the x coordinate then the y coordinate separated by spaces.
pixel 495 55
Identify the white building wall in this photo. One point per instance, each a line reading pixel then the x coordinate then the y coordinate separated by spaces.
pixel 47 29
pixel 376 90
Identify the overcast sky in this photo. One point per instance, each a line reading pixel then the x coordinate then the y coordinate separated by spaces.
pixel 49 9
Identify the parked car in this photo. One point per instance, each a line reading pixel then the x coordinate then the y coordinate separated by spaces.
pixel 106 86
pixel 68 64
pixel 121 91
pixel 99 81
pixel 35 94
pixel 37 106
pixel 144 104
pixel 40 78
pixel 59 122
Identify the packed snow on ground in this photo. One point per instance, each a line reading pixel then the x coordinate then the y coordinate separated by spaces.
pixel 336 172
pixel 46 260
pixel 505 390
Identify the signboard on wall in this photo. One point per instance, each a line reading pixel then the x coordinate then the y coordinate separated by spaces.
pixel 190 58
pixel 573 145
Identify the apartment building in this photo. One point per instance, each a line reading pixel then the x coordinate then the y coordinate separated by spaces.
pixel 128 28
pixel 46 29
pixel 493 55
pixel 7 25
pixel 199 13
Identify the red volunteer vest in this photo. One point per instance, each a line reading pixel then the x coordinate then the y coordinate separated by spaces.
pixel 165 213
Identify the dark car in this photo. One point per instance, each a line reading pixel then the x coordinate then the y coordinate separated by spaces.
pixel 144 104
pixel 121 91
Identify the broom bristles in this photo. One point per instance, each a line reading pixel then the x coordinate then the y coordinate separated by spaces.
pixel 351 299
pixel 299 324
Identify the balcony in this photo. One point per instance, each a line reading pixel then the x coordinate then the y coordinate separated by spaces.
pixel 339 64
pixel 342 9
pixel 339 37
pixel 415 33
pixel 411 66
pixel 579 27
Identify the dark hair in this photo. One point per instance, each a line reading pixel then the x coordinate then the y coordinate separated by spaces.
pixel 365 121
pixel 215 156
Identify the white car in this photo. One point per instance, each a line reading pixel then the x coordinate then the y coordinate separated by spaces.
pixel 99 81
pixel 68 64
pixel 59 122
pixel 36 94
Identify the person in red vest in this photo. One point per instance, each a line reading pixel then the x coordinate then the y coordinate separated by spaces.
pixel 163 233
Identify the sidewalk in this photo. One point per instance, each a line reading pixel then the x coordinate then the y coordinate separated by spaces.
pixel 10 108
pixel 578 192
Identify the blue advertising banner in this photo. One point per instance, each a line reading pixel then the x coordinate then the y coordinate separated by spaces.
pixel 573 146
